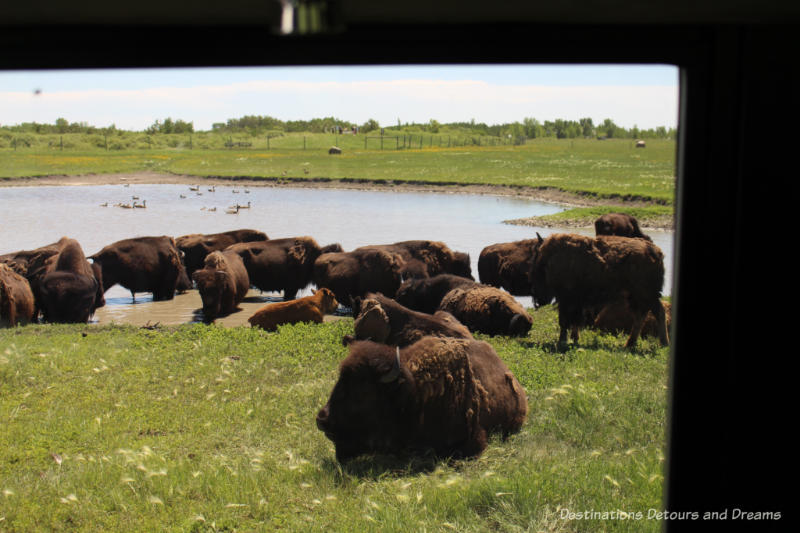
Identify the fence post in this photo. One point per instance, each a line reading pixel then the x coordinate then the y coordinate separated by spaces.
pixel 381 142
pixel 365 142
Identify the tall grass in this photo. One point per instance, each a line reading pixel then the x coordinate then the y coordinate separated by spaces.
pixel 204 428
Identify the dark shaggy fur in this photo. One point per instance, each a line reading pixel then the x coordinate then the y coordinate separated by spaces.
pixel 383 320
pixel 353 274
pixel 507 265
pixel 488 310
pixel 428 258
pixel 142 264
pixel 68 291
pixel 619 224
pixel 426 294
pixel 223 283
pixel 197 246
pixel 584 274
pixel 440 395
pixel 16 298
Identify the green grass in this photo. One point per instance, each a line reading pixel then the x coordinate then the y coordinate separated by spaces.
pixel 611 168
pixel 648 216
pixel 203 428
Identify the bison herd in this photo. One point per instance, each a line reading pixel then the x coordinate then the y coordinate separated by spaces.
pixel 415 378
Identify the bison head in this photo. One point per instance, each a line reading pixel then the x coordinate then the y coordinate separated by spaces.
pixel 460 265
pixel 369 404
pixel 212 284
pixel 371 321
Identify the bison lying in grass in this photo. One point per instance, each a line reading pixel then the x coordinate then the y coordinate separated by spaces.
pixel 383 320
pixel 307 309
pixel 440 395
pixel 583 273
pixel 620 224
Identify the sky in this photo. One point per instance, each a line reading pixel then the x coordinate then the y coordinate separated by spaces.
pixel 645 96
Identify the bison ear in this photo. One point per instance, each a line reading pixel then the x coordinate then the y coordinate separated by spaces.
pixel 393 374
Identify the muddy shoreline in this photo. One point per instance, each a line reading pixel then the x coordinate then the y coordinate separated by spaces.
pixel 156 178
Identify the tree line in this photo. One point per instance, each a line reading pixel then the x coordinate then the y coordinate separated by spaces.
pixel 256 125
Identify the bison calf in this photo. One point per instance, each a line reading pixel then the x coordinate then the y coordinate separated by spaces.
pixel 308 309
pixel 444 395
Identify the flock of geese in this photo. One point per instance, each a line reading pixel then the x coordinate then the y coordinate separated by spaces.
pixel 232 210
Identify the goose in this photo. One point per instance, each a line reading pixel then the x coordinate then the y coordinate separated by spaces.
pixel 104 205
pixel 212 208
pixel 194 187
pixel 213 188
pixel 141 205
pixel 243 206
pixel 134 197
pixel 232 210
pixel 125 206
pixel 183 196
pixel 234 191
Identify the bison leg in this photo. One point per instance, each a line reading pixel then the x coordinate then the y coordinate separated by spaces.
pixel 289 293
pixel 636 328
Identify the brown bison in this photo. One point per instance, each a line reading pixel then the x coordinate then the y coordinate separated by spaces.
pixel 223 283
pixel 488 310
pixel 427 258
pixel 280 264
pixel 16 298
pixel 307 309
pixel 142 264
pixel 507 265
pixel 197 246
pixel 68 291
pixel 617 316
pixel 619 224
pixel 440 395
pixel 353 274
pixel 383 320
pixel 426 294
pixel 583 274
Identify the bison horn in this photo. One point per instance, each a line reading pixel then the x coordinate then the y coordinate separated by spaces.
pixel 394 373
pixel 539 237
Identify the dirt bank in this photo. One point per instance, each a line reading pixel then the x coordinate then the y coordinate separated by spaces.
pixel 154 178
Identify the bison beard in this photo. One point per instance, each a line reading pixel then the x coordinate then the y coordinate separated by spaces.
pixel 584 274
pixel 444 395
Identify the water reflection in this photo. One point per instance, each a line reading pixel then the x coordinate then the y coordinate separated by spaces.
pixel 35 216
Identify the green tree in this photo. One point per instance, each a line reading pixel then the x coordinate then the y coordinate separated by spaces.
pixel 370 125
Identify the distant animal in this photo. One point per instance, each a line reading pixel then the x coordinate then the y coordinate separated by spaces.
pixel 427 294
pixel 427 258
pixel 280 264
pixel 67 292
pixel 488 310
pixel 383 320
pixel 584 274
pixel 507 265
pixel 617 316
pixel 197 246
pixel 222 283
pixel 640 144
pixel 620 224
pixel 307 309
pixel 16 298
pixel 439 394
pixel 142 264
pixel 355 273
pixel 335 150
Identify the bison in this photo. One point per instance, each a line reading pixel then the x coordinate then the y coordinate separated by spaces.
pixel 307 309
pixel 382 319
pixel 223 283
pixel 68 291
pixel 143 264
pixel 617 316
pixel 426 294
pixel 427 258
pixel 355 273
pixel 16 298
pixel 619 224
pixel 583 273
pixel 197 246
pixel 439 394
pixel 488 310
pixel 507 265
pixel 280 264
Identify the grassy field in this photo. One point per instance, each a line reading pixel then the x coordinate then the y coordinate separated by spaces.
pixel 609 169
pixel 202 428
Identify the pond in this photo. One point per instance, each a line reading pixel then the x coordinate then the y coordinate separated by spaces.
pixel 35 216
